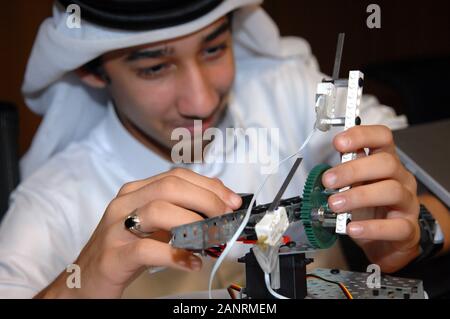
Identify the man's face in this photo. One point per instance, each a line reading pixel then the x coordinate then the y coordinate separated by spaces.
pixel 159 87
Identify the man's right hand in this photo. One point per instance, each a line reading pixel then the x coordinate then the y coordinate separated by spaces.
pixel 114 256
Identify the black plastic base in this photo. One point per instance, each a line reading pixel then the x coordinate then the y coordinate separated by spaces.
pixel 292 277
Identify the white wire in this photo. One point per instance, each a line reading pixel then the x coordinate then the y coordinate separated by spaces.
pixel 248 213
pixel 269 287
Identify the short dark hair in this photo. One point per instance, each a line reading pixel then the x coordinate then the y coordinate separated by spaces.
pixel 94 66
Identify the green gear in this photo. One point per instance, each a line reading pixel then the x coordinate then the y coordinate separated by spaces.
pixel 314 198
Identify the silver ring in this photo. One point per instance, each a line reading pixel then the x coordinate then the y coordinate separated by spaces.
pixel 133 224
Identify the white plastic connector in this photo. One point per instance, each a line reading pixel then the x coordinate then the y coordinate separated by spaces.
pixel 272 226
pixel 325 105
pixel 354 96
pixel 341 223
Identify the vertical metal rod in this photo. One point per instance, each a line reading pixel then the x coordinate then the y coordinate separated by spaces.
pixel 286 182
pixel 337 60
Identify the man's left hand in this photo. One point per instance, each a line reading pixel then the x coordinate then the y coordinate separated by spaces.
pixel 383 197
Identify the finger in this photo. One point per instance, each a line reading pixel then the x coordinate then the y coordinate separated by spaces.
pixel 387 193
pixel 374 167
pixel 359 137
pixel 149 252
pixel 398 229
pixel 176 191
pixel 161 215
pixel 212 184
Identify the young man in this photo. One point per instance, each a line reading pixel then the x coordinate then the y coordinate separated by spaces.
pixel 113 94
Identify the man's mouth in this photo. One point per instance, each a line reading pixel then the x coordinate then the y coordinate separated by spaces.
pixel 200 125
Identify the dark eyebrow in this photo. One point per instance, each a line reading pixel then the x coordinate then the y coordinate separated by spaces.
pixel 150 53
pixel 166 51
pixel 224 27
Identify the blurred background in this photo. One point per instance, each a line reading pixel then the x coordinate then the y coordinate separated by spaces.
pixel 406 62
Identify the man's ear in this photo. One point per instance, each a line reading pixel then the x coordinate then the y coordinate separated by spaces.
pixel 91 79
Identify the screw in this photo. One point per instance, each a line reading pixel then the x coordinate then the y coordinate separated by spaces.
pixel 361 82
pixel 335 271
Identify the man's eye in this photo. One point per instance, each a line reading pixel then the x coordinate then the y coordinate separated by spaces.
pixel 153 71
pixel 214 51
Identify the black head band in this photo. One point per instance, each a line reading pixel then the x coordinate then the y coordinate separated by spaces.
pixel 142 14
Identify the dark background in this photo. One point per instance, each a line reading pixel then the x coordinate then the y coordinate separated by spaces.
pixel 411 31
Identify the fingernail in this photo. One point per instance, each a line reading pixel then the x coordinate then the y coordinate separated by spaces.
pixel 355 229
pixel 235 200
pixel 196 265
pixel 337 202
pixel 330 179
pixel 196 268
pixel 193 258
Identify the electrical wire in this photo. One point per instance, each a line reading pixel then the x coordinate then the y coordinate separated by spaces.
pixel 216 251
pixel 248 213
pixel 232 288
pixel 269 288
pixel 344 289
pixel 231 293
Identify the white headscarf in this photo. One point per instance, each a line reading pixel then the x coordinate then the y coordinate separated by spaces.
pixel 71 109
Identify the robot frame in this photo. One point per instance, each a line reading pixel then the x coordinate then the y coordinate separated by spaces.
pixel 302 224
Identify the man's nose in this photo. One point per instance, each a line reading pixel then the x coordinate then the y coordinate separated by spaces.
pixel 197 97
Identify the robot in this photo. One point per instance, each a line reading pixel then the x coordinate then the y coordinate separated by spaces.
pixel 300 225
